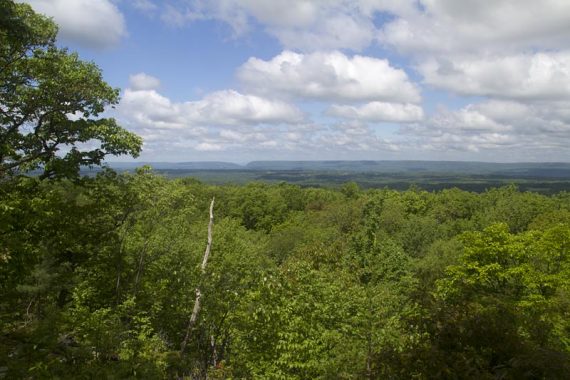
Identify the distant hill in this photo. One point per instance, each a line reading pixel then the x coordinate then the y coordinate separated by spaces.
pixel 534 169
pixel 555 169
pixel 548 178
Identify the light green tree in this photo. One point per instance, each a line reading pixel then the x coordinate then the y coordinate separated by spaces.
pixel 505 306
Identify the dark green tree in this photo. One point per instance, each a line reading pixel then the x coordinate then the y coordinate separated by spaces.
pixel 51 102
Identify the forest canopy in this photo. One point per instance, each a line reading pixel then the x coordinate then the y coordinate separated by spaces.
pixel 99 276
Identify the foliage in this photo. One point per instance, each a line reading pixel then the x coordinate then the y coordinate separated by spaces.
pixel 50 102
pixel 99 274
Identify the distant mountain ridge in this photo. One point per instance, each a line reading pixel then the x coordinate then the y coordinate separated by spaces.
pixel 540 169
pixel 465 167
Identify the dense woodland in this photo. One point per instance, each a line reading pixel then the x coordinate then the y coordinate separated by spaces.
pixel 99 275
pixel 99 278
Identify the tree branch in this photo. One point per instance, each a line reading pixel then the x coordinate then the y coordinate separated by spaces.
pixel 197 301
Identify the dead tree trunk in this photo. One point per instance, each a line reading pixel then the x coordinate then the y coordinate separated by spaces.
pixel 197 301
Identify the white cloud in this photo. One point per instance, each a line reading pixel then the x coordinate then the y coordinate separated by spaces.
pixel 232 135
pixel 228 122
pixel 475 26
pixel 512 53
pixel 142 81
pixel 427 25
pixel 230 107
pixel 209 147
pixel 93 23
pixel 512 130
pixel 296 13
pixel 328 76
pixel 333 32
pixel 150 109
pixel 521 76
pixel 503 111
pixel 219 122
pixel 298 24
pixel 469 119
pixel 354 136
pixel 379 112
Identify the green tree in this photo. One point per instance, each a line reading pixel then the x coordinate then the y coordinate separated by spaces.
pixel 504 308
pixel 51 102
pixel 350 190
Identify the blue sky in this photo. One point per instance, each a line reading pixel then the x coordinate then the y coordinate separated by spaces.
pixel 241 80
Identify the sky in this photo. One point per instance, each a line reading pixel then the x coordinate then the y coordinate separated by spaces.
pixel 243 80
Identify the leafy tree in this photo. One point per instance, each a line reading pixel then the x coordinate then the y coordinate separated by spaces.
pixel 51 101
pixel 510 206
pixel 350 190
pixel 454 204
pixel 504 311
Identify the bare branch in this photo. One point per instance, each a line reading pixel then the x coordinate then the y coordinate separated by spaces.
pixel 197 301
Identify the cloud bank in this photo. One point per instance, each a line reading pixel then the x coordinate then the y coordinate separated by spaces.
pixel 467 80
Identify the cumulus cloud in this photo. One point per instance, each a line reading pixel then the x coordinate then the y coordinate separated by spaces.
pixel 379 112
pixel 219 122
pixel 355 136
pixel 415 26
pixel 475 26
pixel 228 107
pixel 209 147
pixel 521 76
pixel 328 76
pixel 513 49
pixel 226 122
pixel 92 23
pixel 510 129
pixel 513 54
pixel 298 24
pixel 338 31
pixel 142 81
